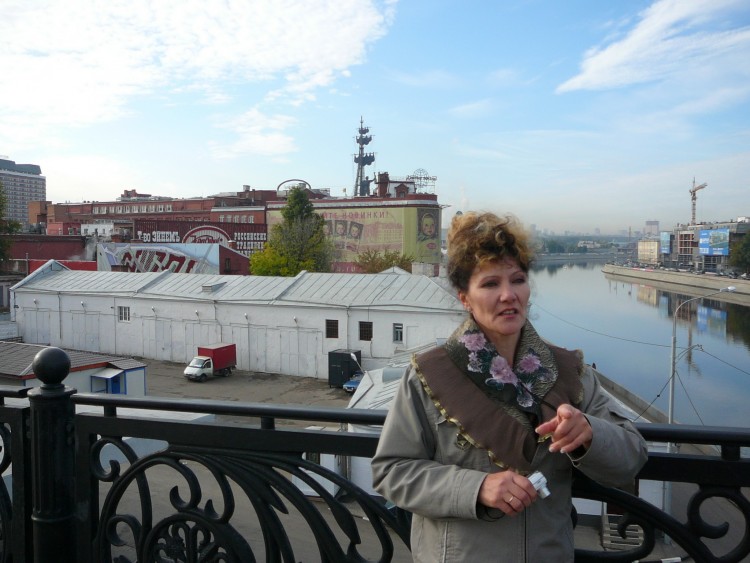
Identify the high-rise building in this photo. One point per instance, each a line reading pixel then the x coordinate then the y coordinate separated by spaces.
pixel 22 183
pixel 652 229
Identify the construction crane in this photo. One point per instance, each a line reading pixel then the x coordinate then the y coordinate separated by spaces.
pixel 694 197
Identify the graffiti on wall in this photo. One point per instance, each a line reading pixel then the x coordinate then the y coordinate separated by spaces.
pixel 156 261
pixel 180 258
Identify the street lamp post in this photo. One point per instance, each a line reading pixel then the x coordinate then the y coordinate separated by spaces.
pixel 667 500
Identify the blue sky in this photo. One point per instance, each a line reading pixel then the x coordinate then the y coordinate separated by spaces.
pixel 573 115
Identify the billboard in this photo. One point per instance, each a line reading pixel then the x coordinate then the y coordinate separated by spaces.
pixel 714 242
pixel 665 246
pixel 407 230
pixel 247 237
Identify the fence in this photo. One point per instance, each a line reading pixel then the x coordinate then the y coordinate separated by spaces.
pixel 97 478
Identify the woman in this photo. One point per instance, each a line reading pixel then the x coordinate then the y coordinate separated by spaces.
pixel 474 418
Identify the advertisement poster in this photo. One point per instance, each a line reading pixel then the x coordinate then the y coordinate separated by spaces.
pixel 665 246
pixel 714 242
pixel 247 237
pixel 406 230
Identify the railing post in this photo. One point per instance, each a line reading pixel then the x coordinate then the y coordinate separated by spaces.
pixel 52 457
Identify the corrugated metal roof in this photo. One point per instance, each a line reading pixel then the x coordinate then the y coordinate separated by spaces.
pixel 364 290
pixel 348 290
pixel 18 357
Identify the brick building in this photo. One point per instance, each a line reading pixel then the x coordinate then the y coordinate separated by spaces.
pixel 246 206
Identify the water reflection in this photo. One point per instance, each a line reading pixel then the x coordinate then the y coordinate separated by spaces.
pixel 726 320
pixel 625 327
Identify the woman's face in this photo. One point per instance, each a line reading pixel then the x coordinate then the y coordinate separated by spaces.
pixel 498 297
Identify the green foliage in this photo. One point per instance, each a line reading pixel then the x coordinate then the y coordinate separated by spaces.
pixel 297 206
pixel 739 257
pixel 269 263
pixel 373 261
pixel 295 244
pixel 554 246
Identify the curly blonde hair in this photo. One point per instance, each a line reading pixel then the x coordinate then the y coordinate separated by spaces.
pixel 475 239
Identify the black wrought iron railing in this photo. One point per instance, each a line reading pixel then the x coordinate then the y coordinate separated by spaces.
pixel 98 478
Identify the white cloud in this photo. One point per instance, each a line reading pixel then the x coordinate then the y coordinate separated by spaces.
pixel 671 38
pixel 86 176
pixel 72 63
pixel 256 133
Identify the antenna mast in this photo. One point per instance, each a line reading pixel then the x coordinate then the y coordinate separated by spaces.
pixel 362 183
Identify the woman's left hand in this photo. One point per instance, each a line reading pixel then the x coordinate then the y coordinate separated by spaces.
pixel 569 429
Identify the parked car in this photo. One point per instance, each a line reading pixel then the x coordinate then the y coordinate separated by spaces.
pixel 351 385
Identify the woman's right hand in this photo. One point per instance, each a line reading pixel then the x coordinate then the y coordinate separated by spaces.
pixel 507 491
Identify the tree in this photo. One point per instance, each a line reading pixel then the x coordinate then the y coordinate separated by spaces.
pixel 7 227
pixel 740 256
pixel 554 246
pixel 297 205
pixel 297 243
pixel 372 261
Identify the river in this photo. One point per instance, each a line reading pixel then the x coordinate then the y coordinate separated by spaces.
pixel 625 328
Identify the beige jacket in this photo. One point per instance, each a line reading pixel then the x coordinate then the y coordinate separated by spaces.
pixel 420 467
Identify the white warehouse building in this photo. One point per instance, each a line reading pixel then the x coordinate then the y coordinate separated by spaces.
pixel 279 325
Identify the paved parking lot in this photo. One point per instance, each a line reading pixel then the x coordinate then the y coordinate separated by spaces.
pixel 165 379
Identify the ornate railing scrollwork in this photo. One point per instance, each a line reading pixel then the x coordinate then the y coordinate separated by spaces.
pixel 652 520
pixel 196 529
pixel 212 491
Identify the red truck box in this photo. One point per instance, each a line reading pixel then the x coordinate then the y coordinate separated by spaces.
pixel 224 356
pixel 213 359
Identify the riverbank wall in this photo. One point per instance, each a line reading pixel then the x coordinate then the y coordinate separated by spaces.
pixel 694 285
pixel 574 257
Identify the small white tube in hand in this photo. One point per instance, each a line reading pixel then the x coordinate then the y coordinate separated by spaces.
pixel 539 482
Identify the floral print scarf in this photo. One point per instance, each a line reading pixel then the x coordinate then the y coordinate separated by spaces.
pixel 521 386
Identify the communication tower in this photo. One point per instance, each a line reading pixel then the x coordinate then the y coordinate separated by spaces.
pixel 362 159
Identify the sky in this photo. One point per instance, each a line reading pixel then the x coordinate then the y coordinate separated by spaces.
pixel 574 116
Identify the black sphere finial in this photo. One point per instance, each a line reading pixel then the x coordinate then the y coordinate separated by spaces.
pixel 51 365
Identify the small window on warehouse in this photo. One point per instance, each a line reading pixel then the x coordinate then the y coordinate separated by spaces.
pixel 365 330
pixel 123 314
pixel 398 332
pixel 332 328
